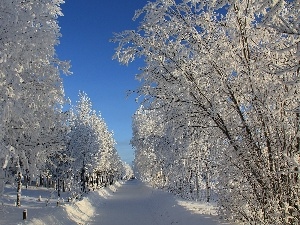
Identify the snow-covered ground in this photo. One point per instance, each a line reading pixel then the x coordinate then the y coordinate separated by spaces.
pixel 132 203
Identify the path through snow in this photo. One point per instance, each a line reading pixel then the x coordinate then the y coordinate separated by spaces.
pixel 137 204
pixel 130 203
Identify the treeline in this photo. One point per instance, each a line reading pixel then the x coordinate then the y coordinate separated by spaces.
pixel 220 104
pixel 39 141
pixel 89 158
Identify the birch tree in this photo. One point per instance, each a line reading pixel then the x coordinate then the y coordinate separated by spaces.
pixel 91 146
pixel 31 88
pixel 215 62
pixel 83 145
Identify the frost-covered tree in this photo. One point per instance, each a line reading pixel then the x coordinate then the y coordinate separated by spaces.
pixel 110 165
pixel 91 146
pixel 31 122
pixel 83 146
pixel 127 172
pixel 223 71
pixel 169 158
pixel 143 141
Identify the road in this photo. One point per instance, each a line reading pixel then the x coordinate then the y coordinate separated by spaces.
pixel 135 203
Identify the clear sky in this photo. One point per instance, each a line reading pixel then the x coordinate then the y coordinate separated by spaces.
pixel 86 28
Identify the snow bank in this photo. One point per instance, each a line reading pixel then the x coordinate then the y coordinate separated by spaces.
pixel 81 211
pixel 199 207
pixel 48 212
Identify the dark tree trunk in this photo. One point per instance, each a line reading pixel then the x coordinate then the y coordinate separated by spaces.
pixel 58 187
pixel 82 177
pixel 19 180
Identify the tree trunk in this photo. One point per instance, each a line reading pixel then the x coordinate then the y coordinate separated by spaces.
pixel 64 185
pixel 207 184
pixel 41 180
pixel 19 179
pixel 58 187
pixel 82 177
pixel 197 182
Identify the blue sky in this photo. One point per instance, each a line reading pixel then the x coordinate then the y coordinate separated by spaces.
pixel 86 28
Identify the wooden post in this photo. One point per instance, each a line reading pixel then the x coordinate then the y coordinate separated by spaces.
pixel 24 214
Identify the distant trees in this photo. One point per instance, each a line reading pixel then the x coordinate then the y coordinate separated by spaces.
pixel 91 148
pixel 83 143
pixel 220 89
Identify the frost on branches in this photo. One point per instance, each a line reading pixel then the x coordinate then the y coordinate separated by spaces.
pixel 94 160
pixel 39 143
pixel 31 92
pixel 220 90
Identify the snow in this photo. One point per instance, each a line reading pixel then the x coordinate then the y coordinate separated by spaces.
pixel 131 202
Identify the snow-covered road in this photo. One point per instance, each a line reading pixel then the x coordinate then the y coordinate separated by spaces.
pixel 124 203
pixel 134 203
